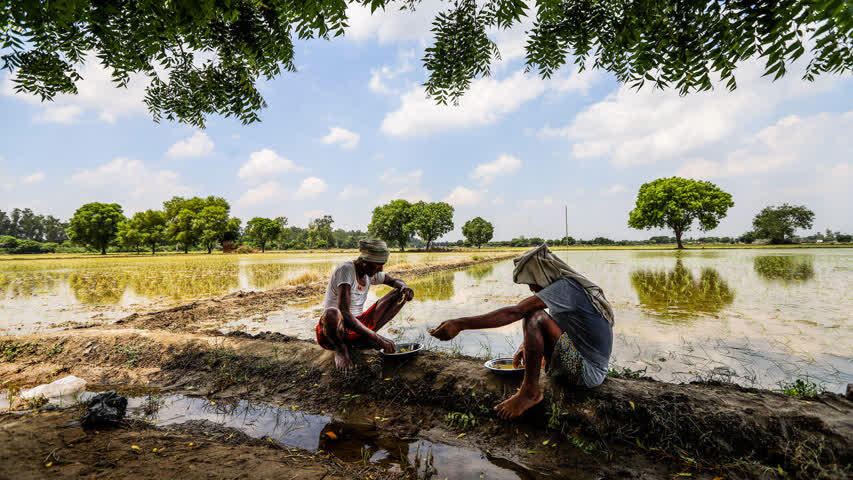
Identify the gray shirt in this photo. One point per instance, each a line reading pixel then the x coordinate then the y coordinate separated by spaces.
pixel 591 333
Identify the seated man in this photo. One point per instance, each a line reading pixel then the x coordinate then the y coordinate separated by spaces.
pixel 573 339
pixel 344 323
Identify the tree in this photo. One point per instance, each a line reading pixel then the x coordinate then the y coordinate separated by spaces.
pixel 182 229
pixel 211 224
pixel 320 230
pixel 391 223
pixel 151 224
pixel 478 231
pixel 128 236
pixel 671 44
pixel 261 230
pixel 676 202
pixel 431 220
pixel 778 223
pixel 184 225
pixel 95 225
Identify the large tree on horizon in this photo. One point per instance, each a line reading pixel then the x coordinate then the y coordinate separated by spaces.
pixel 676 202
pixel 95 225
pixel 779 223
pixel 206 58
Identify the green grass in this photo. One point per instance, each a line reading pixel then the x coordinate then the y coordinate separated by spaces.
pixel 801 388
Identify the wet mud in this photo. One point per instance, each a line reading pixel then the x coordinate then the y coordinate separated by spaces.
pixel 627 428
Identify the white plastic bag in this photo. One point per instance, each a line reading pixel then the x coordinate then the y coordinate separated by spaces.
pixel 63 387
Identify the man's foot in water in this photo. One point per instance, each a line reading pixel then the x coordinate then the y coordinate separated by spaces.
pixel 518 404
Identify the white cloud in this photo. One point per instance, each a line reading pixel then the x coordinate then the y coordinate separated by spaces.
pixel 381 77
pixel 311 187
pixel 391 25
pixel 614 189
pixel 350 192
pixel 464 197
pixel 393 177
pixel 791 141
pixel 343 137
pixel 265 163
pixel 130 183
pixel 34 178
pixel 487 101
pixel 261 194
pixel 504 165
pixel 639 128
pixel 95 92
pixel 197 145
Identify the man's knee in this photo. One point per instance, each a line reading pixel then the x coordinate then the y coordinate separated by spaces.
pixel 331 317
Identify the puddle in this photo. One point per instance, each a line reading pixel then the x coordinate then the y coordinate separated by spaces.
pixel 350 440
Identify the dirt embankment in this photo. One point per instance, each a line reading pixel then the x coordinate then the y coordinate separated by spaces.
pixel 626 427
pixel 198 315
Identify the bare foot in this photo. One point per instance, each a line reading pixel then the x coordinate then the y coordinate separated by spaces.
pixel 517 404
pixel 342 361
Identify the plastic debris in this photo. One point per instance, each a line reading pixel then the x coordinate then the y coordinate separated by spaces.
pixel 65 386
pixel 105 409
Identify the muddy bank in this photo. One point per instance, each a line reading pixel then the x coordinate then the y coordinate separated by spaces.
pixel 209 313
pixel 627 426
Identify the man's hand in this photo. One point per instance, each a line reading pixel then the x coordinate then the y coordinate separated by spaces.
pixel 384 344
pixel 518 358
pixel 408 293
pixel 446 331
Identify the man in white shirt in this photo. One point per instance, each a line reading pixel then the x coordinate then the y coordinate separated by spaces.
pixel 344 323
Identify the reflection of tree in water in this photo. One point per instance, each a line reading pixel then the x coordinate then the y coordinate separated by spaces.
pixel 27 284
pixel 271 275
pixel 678 291
pixel 480 272
pixel 437 287
pixel 98 287
pixel 777 267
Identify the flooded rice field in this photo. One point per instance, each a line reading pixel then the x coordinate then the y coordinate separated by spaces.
pixel 757 317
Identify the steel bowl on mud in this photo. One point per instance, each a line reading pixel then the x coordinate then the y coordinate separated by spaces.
pixel 404 350
pixel 502 366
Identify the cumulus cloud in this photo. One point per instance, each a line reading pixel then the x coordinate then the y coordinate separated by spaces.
pixel 350 192
pixel 96 92
pixel 34 178
pixel 487 101
pixel 261 194
pixel 311 187
pixel 393 177
pixel 382 76
pixel 788 142
pixel 130 183
pixel 343 137
pixel 391 25
pixel 198 145
pixel 504 165
pixel 265 163
pixel 639 128
pixel 464 197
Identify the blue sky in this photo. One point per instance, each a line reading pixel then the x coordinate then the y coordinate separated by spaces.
pixel 352 129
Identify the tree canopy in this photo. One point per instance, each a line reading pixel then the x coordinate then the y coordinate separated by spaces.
pixel 431 220
pixel 95 225
pixel 391 223
pixel 261 231
pixel 205 58
pixel 478 231
pixel 676 202
pixel 778 223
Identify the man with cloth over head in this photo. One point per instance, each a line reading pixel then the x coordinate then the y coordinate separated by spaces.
pixel 574 337
pixel 344 323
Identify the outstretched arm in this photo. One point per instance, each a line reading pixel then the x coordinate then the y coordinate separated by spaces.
pixel 498 318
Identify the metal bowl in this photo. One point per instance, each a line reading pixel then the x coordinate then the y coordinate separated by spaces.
pixel 414 349
pixel 495 366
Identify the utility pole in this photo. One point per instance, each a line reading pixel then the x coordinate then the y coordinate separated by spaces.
pixel 567 227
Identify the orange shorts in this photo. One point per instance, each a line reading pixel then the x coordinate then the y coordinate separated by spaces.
pixel 352 336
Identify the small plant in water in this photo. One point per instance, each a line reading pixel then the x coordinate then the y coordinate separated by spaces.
pixel 801 388
pixel 33 403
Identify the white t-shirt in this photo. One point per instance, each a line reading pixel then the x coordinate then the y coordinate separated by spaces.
pixel 345 273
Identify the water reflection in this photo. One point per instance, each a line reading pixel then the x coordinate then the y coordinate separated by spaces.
pixel 677 293
pixel 98 287
pixel 787 268
pixel 436 287
pixel 480 272
pixel 28 284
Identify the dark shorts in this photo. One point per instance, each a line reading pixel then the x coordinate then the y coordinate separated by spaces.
pixel 566 361
pixel 352 336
